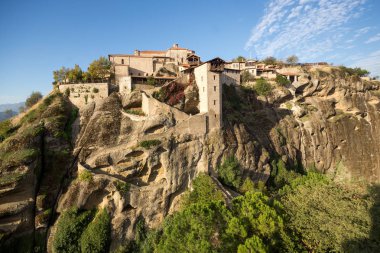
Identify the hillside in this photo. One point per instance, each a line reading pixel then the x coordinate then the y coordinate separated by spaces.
pixel 295 170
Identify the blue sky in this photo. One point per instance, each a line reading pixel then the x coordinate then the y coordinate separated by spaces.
pixel 37 37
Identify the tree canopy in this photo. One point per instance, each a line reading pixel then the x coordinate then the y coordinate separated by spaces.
pixel 270 60
pixel 33 99
pixel 293 59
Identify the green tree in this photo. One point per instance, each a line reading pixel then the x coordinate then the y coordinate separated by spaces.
pixel 247 77
pixel 282 81
pixel 96 237
pixel 270 60
pixel 330 217
pixel 33 99
pixel 293 59
pixel 204 190
pixel 263 87
pixel 229 172
pixel 239 59
pixel 151 80
pixel 75 75
pixel 61 75
pixel 198 228
pixel 69 230
pixel 100 69
pixel 253 245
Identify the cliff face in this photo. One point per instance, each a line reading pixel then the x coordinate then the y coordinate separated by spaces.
pixel 138 167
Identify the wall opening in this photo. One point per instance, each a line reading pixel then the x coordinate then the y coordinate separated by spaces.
pixel 122 61
pixel 214 102
pixel 214 88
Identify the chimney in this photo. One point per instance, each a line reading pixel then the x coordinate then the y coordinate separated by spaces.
pixel 137 52
pixel 175 45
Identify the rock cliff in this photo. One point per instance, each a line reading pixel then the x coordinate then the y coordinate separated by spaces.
pixel 138 167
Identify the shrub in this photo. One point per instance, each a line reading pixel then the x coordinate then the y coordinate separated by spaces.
pixel 85 176
pixel 96 237
pixel 263 88
pixel 121 186
pixel 67 92
pixel 247 77
pixel 95 90
pixel 151 81
pixel 86 98
pixel 135 112
pixel 282 81
pixel 229 172
pixel 69 230
pixel 280 175
pixel 149 143
pixel 270 60
pixel 33 99
pixel 354 71
pixel 5 129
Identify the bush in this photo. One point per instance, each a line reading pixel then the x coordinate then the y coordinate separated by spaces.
pixel 67 92
pixel 95 90
pixel 121 186
pixel 151 81
pixel 96 237
pixel 282 81
pixel 229 172
pixel 85 176
pixel 280 175
pixel 354 71
pixel 247 77
pixel 263 88
pixel 33 99
pixel 5 129
pixel 149 143
pixel 135 112
pixel 69 230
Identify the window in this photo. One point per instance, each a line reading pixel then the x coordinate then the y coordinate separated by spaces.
pixel 214 102
pixel 214 77
pixel 122 61
pixel 215 115
pixel 214 88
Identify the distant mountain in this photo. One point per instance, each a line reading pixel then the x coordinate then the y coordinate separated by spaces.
pixel 13 107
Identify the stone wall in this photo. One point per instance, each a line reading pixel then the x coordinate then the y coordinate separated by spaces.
pixel 81 94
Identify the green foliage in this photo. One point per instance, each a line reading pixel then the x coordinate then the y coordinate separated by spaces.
pixel 257 215
pixel 263 87
pixel 69 124
pixel 85 176
pixel 239 59
pixel 270 60
pixel 354 71
pixel 135 112
pixel 5 129
pixel 17 157
pixel 249 186
pixel 75 75
pixel 9 178
pixel 293 59
pixel 229 172
pixel 151 80
pixel 253 245
pixel 330 217
pixel 281 175
pixel 95 90
pixel 121 186
pixel 69 230
pixel 247 77
pixel 33 99
pixel 147 144
pixel 100 69
pixel 96 237
pixel 198 228
pixel 67 92
pixel 60 75
pixel 204 190
pixel 282 81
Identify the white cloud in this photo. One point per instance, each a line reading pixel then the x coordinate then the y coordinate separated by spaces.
pixel 370 62
pixel 373 39
pixel 309 28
